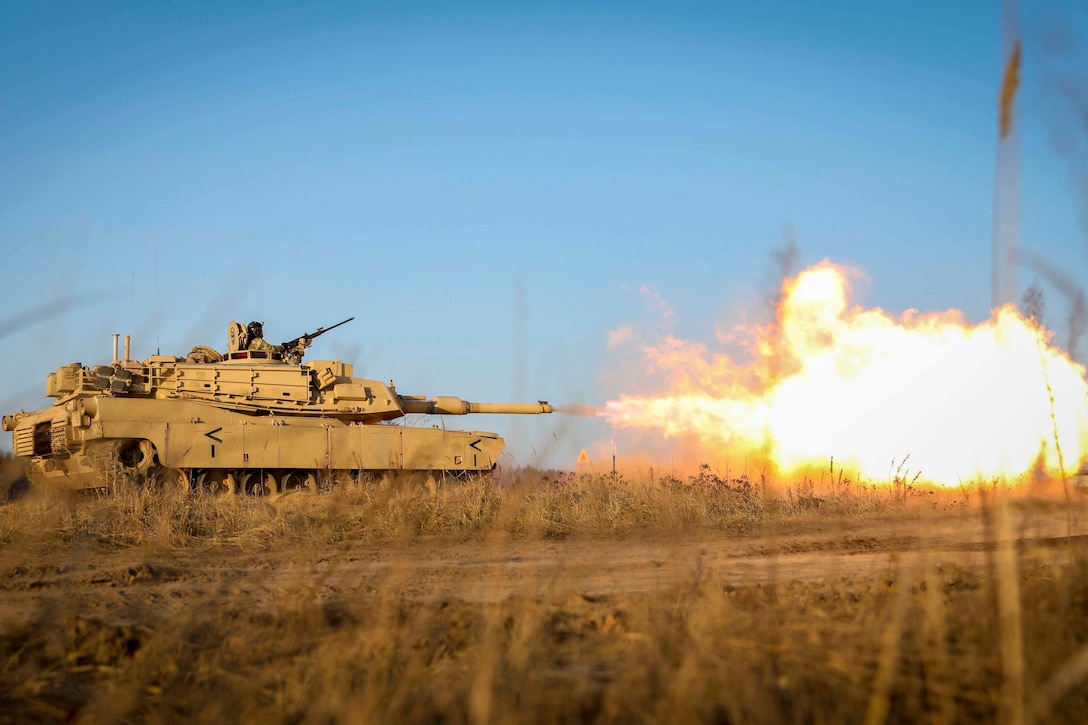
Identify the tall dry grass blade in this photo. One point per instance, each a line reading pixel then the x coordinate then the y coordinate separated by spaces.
pixel 1040 345
pixel 1070 675
pixel 1010 626
pixel 891 636
pixel 935 654
pixel 481 694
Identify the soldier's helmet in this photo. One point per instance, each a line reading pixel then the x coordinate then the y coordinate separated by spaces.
pixel 255 330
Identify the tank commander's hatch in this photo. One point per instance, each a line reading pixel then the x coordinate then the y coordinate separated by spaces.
pixel 237 338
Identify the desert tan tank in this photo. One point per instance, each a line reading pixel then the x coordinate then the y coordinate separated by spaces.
pixel 255 420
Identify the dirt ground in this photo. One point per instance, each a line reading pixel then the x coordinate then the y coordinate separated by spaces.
pixel 784 619
pixel 436 568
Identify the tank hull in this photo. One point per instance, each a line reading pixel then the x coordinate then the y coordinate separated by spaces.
pixel 199 444
pixel 252 421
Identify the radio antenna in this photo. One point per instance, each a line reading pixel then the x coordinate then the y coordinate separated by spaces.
pixel 131 302
pixel 157 299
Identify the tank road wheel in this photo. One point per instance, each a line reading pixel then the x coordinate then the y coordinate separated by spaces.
pixel 258 483
pixel 168 479
pixel 133 455
pixel 300 481
pixel 216 482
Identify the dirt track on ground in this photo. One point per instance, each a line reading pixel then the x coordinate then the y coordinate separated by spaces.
pixel 491 570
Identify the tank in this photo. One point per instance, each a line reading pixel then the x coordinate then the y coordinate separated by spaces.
pixel 254 420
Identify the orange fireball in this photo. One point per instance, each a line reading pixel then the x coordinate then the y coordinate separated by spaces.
pixel 831 380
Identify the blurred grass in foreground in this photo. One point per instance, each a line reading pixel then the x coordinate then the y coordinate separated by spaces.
pixel 926 640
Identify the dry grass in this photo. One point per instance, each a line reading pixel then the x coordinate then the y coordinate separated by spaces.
pixel 352 606
pixel 527 503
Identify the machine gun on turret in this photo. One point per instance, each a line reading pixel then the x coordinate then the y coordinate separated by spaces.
pixel 296 348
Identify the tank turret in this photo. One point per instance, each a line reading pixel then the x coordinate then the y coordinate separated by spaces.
pixel 255 419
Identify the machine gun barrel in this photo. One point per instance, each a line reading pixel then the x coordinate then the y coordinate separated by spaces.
pixel 449 405
pixel 304 341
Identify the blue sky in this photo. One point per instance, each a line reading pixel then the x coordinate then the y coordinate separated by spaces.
pixel 417 164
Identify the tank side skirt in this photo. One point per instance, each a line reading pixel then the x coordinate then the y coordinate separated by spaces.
pixel 246 445
pixel 192 436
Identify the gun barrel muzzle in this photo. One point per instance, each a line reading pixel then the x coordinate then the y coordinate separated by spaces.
pixel 514 408
pixel 450 405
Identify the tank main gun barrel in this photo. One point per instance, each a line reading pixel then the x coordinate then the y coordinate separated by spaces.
pixel 449 405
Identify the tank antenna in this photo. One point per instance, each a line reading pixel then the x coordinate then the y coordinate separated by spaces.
pixel 131 302
pixel 157 299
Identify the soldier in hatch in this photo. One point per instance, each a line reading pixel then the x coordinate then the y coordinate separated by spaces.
pixel 256 338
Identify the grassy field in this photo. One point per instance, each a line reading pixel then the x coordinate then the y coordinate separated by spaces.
pixel 546 597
